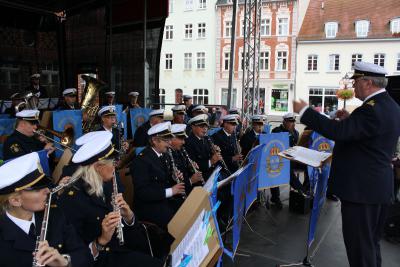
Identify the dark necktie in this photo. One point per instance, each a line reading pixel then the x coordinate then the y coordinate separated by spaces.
pixel 32 231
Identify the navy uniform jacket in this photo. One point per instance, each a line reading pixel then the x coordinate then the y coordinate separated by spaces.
pixel 63 106
pixel 199 151
pixel 361 170
pixel 228 148
pixel 86 213
pixel 41 93
pixel 293 136
pixel 141 138
pixel 151 176
pixel 247 141
pixel 18 144
pixel 116 136
pixel 16 246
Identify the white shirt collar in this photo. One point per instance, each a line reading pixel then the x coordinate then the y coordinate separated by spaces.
pixel 107 129
pixel 23 224
pixel 226 132
pixel 257 134
pixel 158 154
pixel 374 94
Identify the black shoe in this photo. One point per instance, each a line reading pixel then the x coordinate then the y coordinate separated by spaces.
pixel 332 197
pixel 277 203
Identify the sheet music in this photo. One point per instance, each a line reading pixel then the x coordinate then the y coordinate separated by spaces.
pixel 210 182
pixel 193 244
pixel 305 155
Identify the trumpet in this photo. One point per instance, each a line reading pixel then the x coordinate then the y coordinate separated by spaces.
pixel 175 170
pixel 214 150
pixel 119 230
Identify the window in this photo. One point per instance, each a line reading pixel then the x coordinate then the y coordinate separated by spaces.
pixel 398 62
pixel 354 58
pixel 171 6
pixel 224 97
pixel 168 61
pixel 379 59
pixel 202 4
pixel 395 25
pixel 265 27
pixel 201 30
pixel 187 61
pixel 228 28
pixel 264 60
pixel 188 4
pixel 312 63
pixel 169 32
pixel 281 60
pixel 362 28
pixel 283 27
pixel 279 100
pixel 162 97
pixel 323 99
pixel 333 62
pixel 226 60
pixel 188 31
pixel 331 29
pixel 200 96
pixel 201 60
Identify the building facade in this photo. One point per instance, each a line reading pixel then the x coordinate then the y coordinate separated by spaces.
pixel 187 62
pixel 279 28
pixel 334 35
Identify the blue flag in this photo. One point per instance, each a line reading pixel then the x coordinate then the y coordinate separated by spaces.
pixel 273 170
pixel 64 118
pixel 267 128
pixel 138 117
pixel 7 126
pixel 122 119
pixel 252 178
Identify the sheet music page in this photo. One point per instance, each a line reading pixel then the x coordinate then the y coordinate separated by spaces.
pixel 305 155
pixel 193 244
pixel 210 182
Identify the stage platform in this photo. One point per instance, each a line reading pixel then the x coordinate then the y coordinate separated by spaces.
pixel 290 235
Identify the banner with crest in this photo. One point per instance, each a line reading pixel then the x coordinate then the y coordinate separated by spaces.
pixel 63 119
pixel 138 117
pixel 274 170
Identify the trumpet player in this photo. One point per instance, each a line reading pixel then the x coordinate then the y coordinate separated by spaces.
pixel 98 213
pixel 152 182
pixel 108 119
pixel 189 169
pixel 23 141
pixel 24 190
pixel 199 148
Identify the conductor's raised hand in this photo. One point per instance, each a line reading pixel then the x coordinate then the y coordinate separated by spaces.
pixel 299 105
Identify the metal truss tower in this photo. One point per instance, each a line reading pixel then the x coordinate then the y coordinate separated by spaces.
pixel 251 51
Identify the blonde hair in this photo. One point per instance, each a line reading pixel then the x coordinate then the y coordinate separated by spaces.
pixel 92 177
pixel 4 202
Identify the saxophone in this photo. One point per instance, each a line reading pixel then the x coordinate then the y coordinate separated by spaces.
pixel 119 230
pixel 45 221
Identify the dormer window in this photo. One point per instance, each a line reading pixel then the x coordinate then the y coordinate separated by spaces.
pixel 395 25
pixel 331 29
pixel 362 28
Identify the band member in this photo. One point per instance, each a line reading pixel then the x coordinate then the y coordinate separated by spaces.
pixel 108 118
pixel 239 127
pixel 153 190
pixel 98 221
pixel 133 100
pixel 189 169
pixel 23 195
pixel 188 102
pixel 23 141
pixel 70 101
pixel 199 147
pixel 248 141
pixel 35 87
pixel 226 140
pixel 141 137
pixel 198 110
pixel 15 100
pixel 109 98
pixel 178 113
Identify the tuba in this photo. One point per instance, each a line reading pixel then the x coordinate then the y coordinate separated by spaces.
pixel 89 105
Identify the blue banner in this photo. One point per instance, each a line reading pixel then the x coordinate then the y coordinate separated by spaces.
pixel 63 119
pixel 7 126
pixel 318 181
pixel 138 117
pixel 239 199
pixel 267 128
pixel 122 119
pixel 44 161
pixel 274 170
pixel 252 178
pixel 213 130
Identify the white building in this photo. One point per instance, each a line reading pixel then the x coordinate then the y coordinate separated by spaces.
pixel 334 35
pixel 187 62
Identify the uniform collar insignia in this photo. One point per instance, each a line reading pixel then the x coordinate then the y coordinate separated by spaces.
pixel 371 103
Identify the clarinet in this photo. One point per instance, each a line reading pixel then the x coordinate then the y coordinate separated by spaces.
pixel 189 160
pixel 222 161
pixel 43 230
pixel 175 170
pixel 120 233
